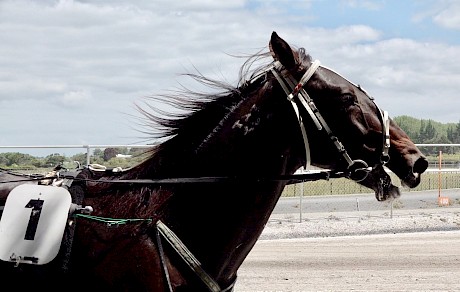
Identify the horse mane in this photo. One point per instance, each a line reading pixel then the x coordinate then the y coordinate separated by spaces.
pixel 200 113
pixel 193 105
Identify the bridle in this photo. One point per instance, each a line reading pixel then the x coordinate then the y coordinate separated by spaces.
pixel 357 169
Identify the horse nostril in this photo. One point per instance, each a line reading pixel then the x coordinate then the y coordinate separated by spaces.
pixel 420 165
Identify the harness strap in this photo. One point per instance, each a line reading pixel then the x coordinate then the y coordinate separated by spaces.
pixel 162 260
pixel 384 119
pixel 187 256
pixel 386 143
pixel 304 78
pixel 310 107
pixel 299 118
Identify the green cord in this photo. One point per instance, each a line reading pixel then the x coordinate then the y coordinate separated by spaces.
pixel 112 221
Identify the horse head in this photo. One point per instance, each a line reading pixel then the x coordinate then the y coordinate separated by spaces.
pixel 363 138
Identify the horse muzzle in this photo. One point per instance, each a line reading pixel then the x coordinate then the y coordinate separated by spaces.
pixel 413 177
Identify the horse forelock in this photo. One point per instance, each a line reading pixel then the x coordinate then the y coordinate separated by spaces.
pixel 303 58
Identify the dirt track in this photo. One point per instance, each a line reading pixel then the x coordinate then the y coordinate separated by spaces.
pixel 422 261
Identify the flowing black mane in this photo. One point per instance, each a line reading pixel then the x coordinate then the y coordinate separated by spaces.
pixel 200 111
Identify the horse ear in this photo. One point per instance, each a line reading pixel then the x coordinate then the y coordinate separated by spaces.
pixel 281 51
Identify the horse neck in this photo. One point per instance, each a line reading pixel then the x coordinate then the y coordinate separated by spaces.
pixel 220 222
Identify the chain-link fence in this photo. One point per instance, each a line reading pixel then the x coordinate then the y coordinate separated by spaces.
pixel 431 180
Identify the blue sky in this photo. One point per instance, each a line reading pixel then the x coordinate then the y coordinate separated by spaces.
pixel 71 71
pixel 396 19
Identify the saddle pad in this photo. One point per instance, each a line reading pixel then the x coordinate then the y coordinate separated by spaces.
pixel 33 223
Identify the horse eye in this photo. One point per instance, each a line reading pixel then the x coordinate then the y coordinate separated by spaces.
pixel 348 99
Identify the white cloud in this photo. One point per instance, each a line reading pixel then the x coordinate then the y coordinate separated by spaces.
pixel 449 17
pixel 405 76
pixel 367 4
pixel 444 13
pixel 96 57
pixel 75 98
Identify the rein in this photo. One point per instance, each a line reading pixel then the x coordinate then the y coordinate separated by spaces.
pixel 291 179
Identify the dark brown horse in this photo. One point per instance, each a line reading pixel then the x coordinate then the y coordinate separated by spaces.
pixel 202 198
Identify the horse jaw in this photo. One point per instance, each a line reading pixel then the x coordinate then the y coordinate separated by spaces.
pixel 379 181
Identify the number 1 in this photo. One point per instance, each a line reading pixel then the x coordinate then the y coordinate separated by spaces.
pixel 36 206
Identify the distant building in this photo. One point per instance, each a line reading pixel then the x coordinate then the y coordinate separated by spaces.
pixel 123 155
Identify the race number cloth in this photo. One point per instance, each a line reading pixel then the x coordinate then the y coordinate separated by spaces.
pixel 33 223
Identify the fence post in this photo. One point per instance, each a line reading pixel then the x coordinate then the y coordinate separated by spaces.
pixel 300 203
pixel 88 154
pixel 391 208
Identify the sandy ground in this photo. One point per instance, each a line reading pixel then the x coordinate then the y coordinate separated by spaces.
pixel 413 252
pixel 422 261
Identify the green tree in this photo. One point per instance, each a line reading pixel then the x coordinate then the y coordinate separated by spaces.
pixel 410 126
pixel 455 136
pixel 3 159
pixel 421 133
pixel 430 131
pixel 54 160
pixel 110 153
pixel 80 157
pixel 98 154
pixel 19 158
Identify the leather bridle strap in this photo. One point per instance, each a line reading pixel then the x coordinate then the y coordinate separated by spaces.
pixel 384 118
pixel 189 259
pixel 162 260
pixel 299 118
pixel 385 157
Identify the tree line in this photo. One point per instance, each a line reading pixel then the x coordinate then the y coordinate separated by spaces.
pixel 422 131
pixel 108 157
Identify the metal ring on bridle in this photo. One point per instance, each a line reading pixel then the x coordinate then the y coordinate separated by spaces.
pixel 358 170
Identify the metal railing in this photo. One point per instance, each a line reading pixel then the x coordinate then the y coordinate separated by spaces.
pixel 88 147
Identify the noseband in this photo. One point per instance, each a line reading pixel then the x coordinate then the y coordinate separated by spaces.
pixel 357 169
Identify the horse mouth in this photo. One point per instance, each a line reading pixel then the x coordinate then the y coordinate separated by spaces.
pixel 380 181
pixel 411 180
pixel 384 188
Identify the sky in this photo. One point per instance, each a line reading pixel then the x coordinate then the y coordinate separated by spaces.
pixel 72 71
